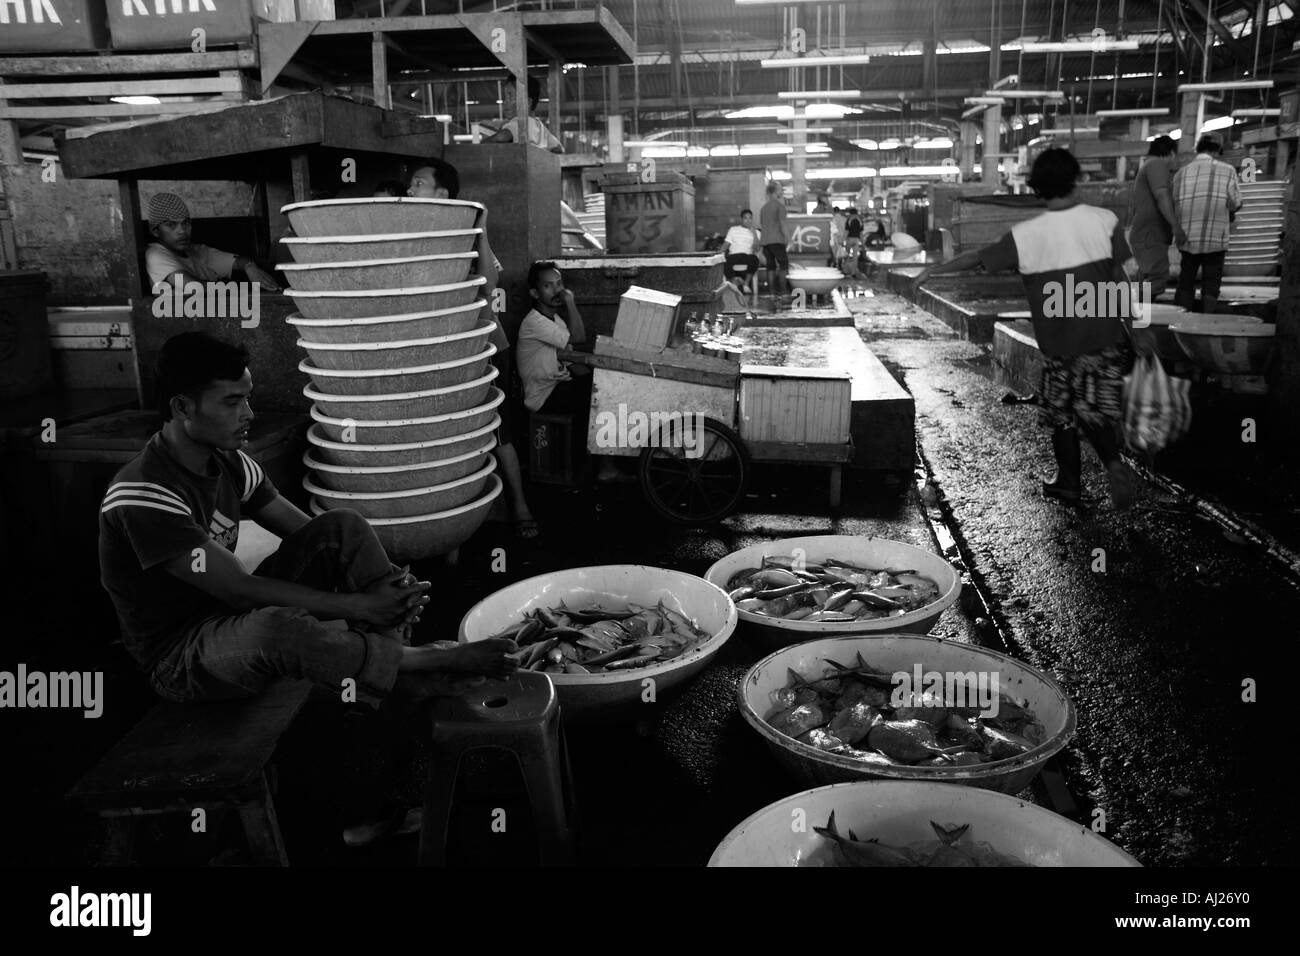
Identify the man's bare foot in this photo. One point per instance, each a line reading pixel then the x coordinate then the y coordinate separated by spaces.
pixel 418 687
pixel 488 658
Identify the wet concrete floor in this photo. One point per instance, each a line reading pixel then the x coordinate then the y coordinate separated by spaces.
pixel 1153 650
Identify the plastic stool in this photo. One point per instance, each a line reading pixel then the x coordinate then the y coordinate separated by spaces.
pixel 521 715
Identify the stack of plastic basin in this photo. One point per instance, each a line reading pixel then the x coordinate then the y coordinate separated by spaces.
pixel 396 335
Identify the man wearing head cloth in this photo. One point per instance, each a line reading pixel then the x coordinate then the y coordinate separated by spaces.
pixel 169 222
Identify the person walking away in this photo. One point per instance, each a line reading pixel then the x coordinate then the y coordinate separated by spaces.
pixel 441 180
pixel 174 253
pixel 1155 224
pixel 738 247
pixel 1206 196
pixel 853 225
pixel 1085 356
pixel 774 225
pixel 549 385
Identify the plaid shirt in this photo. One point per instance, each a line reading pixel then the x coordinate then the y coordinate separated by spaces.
pixel 1205 190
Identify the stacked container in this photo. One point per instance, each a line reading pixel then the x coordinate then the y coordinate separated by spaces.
pixel 1255 242
pixel 396 335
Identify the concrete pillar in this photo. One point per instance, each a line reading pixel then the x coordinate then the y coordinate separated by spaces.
pixel 379 71
pixel 614 131
pixel 966 150
pixel 799 164
pixel 992 144
pixel 1192 117
pixel 1281 157
pixel 554 88
pixel 614 115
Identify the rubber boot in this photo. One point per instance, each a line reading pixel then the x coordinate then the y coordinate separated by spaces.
pixel 1123 484
pixel 1209 304
pixel 1065 446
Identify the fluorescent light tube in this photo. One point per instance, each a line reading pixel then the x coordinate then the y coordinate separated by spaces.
pixel 1080 46
pixel 1027 94
pixel 1226 85
pixel 819 94
pixel 803 61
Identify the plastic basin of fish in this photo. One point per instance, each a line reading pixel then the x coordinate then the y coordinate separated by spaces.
pixel 383 478
pixel 402 354
pixel 429 499
pixel 402 431
pixel 879 553
pixel 388 328
pixel 429 535
pixel 380 273
pixel 1229 345
pixel 897 653
pixel 434 401
pixel 369 303
pixel 816 281
pixel 899 813
pixel 352 454
pixel 393 381
pixel 379 216
pixel 395 246
pixel 596 696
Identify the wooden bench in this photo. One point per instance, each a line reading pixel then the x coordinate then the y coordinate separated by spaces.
pixel 182 756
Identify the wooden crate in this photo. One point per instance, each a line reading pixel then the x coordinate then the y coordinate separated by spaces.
pixel 550 449
pixel 646 317
pixel 285 11
pixel 93 347
pixel 656 217
pixel 167 24
pixel 599 283
pixel 27 27
pixel 796 405
pixel 721 196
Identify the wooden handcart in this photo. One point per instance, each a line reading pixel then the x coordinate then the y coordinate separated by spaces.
pixel 698 424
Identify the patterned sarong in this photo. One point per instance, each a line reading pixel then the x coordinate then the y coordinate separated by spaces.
pixel 1084 389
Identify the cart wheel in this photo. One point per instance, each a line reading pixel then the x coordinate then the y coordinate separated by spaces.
pixel 695 490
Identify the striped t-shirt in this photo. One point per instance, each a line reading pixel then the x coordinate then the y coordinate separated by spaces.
pixel 1067 260
pixel 156 509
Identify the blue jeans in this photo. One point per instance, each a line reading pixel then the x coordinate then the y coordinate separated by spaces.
pixel 240 654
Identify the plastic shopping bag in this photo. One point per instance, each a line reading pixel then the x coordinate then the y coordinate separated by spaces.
pixel 1157 408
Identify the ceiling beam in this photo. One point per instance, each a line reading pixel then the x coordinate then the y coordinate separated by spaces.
pixel 1238 49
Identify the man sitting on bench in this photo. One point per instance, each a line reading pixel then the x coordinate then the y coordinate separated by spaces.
pixel 550 386
pixel 327 606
